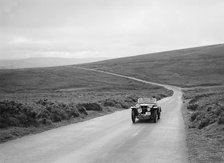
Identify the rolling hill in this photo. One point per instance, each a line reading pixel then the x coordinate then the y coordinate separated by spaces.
pixel 44 62
pixel 38 99
pixel 200 72
pixel 66 85
pixel 200 66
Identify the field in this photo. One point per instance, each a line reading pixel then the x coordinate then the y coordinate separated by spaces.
pixel 201 66
pixel 34 100
pixel 201 72
pixel 204 117
pixel 66 91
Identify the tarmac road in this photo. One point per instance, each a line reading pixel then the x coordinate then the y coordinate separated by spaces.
pixel 108 139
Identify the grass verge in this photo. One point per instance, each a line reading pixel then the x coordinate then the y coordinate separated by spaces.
pixel 204 117
pixel 15 125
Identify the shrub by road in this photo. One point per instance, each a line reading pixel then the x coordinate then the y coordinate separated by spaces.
pixel 18 119
pixel 204 116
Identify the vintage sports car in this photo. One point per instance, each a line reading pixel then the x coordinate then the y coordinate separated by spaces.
pixel 146 108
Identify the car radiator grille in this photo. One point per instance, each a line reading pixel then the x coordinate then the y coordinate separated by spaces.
pixel 144 109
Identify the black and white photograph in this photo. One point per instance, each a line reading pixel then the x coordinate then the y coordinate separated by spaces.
pixel 111 81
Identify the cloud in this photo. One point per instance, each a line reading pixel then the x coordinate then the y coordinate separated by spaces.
pixel 103 27
pixel 24 41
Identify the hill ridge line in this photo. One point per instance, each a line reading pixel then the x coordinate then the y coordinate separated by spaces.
pixel 170 87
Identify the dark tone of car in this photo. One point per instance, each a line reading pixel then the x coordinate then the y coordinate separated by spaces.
pixel 146 108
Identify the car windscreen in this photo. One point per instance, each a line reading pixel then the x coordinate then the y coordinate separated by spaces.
pixel 146 100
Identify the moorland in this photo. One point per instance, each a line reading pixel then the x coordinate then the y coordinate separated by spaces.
pixel 198 71
pixel 38 99
pixel 200 66
pixel 204 116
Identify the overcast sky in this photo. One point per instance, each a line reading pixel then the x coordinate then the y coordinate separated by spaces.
pixel 106 28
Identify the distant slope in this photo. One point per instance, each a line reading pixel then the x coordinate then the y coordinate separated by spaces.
pixel 200 66
pixel 63 78
pixel 44 62
pixel 37 99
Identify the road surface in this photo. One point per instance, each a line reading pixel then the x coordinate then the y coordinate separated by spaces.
pixel 108 139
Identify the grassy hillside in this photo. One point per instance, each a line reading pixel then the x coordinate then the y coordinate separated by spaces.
pixel 63 79
pixel 33 100
pixel 201 66
pixel 44 62
pixel 204 116
pixel 64 89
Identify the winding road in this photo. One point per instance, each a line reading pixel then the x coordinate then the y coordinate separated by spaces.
pixel 108 139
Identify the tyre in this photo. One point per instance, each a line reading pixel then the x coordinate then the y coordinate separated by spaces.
pixel 155 116
pixel 159 115
pixel 133 116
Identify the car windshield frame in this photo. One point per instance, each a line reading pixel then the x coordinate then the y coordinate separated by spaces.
pixel 147 101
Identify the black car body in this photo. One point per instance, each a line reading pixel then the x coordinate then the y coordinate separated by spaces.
pixel 146 108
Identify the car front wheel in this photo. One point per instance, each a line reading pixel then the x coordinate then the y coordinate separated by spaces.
pixel 159 115
pixel 133 116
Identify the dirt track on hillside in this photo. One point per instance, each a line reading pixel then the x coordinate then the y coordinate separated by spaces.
pixel 111 138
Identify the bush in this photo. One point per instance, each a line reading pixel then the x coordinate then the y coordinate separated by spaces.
pixel 194 116
pixel 123 105
pixel 109 102
pixel 44 121
pixel 57 113
pixel 44 102
pixel 91 106
pixel 114 103
pixel 160 96
pixel 221 119
pixel 192 107
pixel 205 122
pixel 16 114
pixel 131 99
pixel 81 109
pixel 42 112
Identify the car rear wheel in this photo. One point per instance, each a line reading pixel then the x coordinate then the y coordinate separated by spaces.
pixel 159 115
pixel 155 116
pixel 133 116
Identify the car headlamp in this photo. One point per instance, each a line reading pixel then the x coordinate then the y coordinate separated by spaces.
pixel 148 109
pixel 139 110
